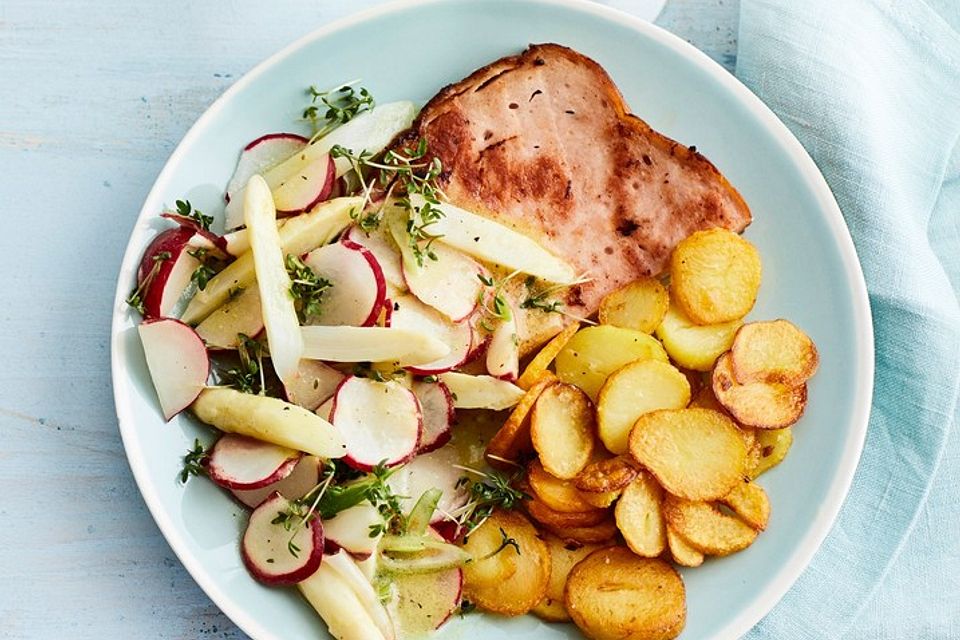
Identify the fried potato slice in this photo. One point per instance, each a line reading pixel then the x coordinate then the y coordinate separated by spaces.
pixel 614 595
pixel 595 352
pixel 600 500
pixel 753 447
pixel 707 528
pixel 633 390
pixel 695 346
pixel 600 533
pixel 715 275
pixel 558 494
pixel 541 362
pixel 603 476
pixel 639 517
pixel 543 514
pixel 765 405
pixel 705 399
pixel 512 442
pixel 638 305
pixel 773 447
pixel 681 551
pixel 563 557
pixel 562 428
pixel 750 502
pixel 775 351
pixel 696 454
pixel 510 581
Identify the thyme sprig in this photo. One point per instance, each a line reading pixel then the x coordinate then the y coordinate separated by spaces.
pixel 202 274
pixel 194 462
pixel 249 376
pixel 135 299
pixel 505 541
pixel 306 288
pixel 543 299
pixel 493 490
pixel 331 108
pixel 492 300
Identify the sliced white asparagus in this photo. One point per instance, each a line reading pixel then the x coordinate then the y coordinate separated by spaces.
pixel 348 570
pixel 269 419
pixel 491 241
pixel 481 392
pixel 297 236
pixel 503 352
pixel 238 242
pixel 339 606
pixel 240 314
pixel 276 304
pixel 371 344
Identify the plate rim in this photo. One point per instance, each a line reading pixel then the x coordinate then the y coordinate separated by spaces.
pixel 797 561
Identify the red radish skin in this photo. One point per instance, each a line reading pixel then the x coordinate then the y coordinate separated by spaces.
pixel 219 242
pixel 262 154
pixel 302 479
pixel 383 248
pixel 163 281
pixel 436 405
pixel 239 462
pixel 178 362
pixel 264 546
pixel 379 421
pixel 315 384
pixel 306 188
pixel 448 530
pixel 358 290
pixel 410 313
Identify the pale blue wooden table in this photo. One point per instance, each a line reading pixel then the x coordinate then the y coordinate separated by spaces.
pixel 94 97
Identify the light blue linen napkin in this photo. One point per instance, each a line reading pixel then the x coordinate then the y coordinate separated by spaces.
pixel 872 90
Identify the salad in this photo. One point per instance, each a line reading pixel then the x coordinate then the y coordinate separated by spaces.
pixel 358 343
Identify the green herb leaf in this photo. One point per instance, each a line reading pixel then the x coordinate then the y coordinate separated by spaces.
pixel 185 209
pixel 194 462
pixel 306 288
pixel 333 107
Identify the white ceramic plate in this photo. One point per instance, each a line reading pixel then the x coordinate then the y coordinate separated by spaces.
pixel 410 50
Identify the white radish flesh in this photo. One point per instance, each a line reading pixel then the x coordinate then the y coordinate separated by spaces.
pixel 178 363
pixel 358 288
pixel 303 190
pixel 266 547
pixel 239 315
pixel 298 236
pixel 428 471
pixel 339 606
pixel 411 314
pixel 165 271
pixel 481 392
pixel 350 529
pixel 379 422
pixel 381 245
pixel 268 419
pixel 492 242
pixel 347 569
pixel 436 405
pixel 503 352
pixel 239 462
pixel 302 479
pixel 371 344
pixel 259 156
pixel 315 383
pixel 279 314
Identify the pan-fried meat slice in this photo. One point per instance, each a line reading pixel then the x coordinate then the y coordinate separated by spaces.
pixel 543 142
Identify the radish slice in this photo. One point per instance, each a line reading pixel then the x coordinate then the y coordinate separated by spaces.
pixel 450 284
pixel 261 155
pixel 358 289
pixel 242 314
pixel 436 405
pixel 386 312
pixel 350 573
pixel 265 548
pixel 165 271
pixel 315 383
pixel 381 245
pixel 411 314
pixel 350 529
pixel 428 471
pixel 379 421
pixel 303 478
pixel 481 392
pixel 239 462
pixel 325 410
pixel 279 313
pixel 423 602
pixel 337 603
pixel 503 352
pixel 178 363
pixel 371 344
pixel 202 237
pixel 304 189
